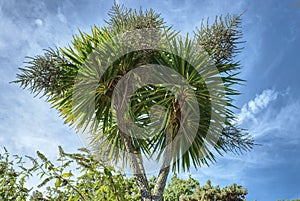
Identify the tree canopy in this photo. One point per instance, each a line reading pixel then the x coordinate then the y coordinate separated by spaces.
pixel 139 89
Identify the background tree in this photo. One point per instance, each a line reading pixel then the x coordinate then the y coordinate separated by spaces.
pixel 56 73
pixel 179 187
pixel 80 176
pixel 77 176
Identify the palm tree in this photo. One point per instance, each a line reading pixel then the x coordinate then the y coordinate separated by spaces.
pixel 141 90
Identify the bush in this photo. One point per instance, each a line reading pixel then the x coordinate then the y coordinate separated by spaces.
pixel 79 176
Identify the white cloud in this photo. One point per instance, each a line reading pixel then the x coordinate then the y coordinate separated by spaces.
pixel 260 119
pixel 274 128
pixel 283 123
pixel 259 103
pixel 28 124
pixel 61 17
pixel 39 22
pixel 269 125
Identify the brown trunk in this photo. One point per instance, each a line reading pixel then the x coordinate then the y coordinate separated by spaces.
pixel 138 170
pixel 137 167
pixel 134 154
pixel 160 184
pixel 165 168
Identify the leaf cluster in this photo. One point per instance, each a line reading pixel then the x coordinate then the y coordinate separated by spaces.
pixel 78 176
pixel 80 80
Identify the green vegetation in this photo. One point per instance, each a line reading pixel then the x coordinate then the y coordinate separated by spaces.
pixel 87 73
pixel 290 200
pixel 190 190
pixel 79 176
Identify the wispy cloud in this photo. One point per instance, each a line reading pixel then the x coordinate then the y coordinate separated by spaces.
pixel 281 123
pixel 259 103
pixel 28 124
pixel 31 125
pixel 271 111
pixel 273 119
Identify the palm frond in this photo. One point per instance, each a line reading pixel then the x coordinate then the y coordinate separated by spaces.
pixel 80 81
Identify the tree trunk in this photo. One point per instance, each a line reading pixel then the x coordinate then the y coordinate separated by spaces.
pixel 137 167
pixel 138 170
pixel 160 184
pixel 165 168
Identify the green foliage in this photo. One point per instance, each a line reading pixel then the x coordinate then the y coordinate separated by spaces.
pixel 54 74
pixel 221 39
pixel 76 176
pixel 190 190
pixel 12 181
pixel 80 176
pixel 126 19
pixel 179 187
pixel 81 79
pixel 208 192
pixel 290 200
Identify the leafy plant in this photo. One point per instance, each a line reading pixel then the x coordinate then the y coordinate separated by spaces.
pixel 79 176
pixel 57 73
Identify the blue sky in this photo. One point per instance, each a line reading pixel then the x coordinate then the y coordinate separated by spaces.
pixel 269 104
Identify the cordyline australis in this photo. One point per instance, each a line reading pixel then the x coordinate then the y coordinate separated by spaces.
pixel 97 63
